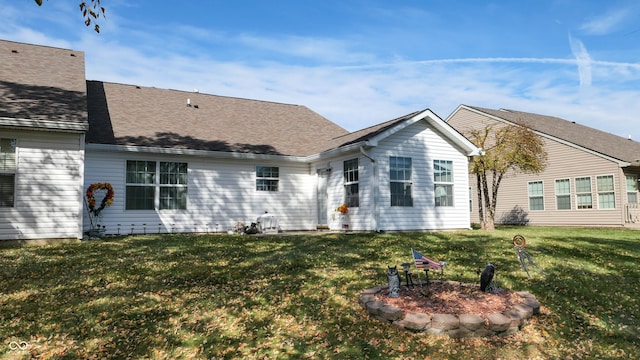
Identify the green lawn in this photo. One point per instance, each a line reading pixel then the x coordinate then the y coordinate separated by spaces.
pixel 296 296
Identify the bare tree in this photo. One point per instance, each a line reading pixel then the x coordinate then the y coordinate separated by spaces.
pixel 91 10
pixel 506 148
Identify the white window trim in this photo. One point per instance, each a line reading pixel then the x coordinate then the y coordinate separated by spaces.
pixel 277 179
pixel 555 190
pixel 452 183
pixel 347 183
pixel 410 181
pixel 156 185
pixel 615 203
pixel 635 181
pixel 583 193
pixel 13 172
pixel 529 195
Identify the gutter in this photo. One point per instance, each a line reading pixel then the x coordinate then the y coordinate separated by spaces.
pixel 190 152
pixel 376 208
pixel 44 125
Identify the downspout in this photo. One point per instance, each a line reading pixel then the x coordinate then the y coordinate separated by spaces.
pixel 376 209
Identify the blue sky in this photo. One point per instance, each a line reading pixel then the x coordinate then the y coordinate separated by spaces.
pixel 359 63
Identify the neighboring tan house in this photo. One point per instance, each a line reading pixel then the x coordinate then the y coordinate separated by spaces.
pixel 191 162
pixel 43 119
pixel 591 177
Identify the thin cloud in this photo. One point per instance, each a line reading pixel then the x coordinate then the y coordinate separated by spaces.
pixel 583 59
pixel 607 23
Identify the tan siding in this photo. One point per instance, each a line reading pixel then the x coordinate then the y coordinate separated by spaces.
pixel 564 161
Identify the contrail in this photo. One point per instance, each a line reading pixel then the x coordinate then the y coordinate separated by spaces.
pixel 570 62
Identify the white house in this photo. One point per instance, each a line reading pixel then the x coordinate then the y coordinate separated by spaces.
pixel 191 162
pixel 43 120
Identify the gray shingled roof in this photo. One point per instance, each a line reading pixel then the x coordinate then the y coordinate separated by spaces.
pixel 370 132
pixel 596 140
pixel 146 116
pixel 42 85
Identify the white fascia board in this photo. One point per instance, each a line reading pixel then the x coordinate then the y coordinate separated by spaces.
pixel 444 128
pixel 191 152
pixel 49 125
pixel 453 135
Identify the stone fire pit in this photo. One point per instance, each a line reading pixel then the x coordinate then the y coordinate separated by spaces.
pixel 459 325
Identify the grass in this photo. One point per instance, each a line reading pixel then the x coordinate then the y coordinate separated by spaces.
pixel 223 296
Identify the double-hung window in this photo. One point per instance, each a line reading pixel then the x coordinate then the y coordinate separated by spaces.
pixel 7 171
pixel 400 181
pixel 351 183
pixel 267 178
pixel 632 189
pixel 563 194
pixel 173 185
pixel 148 179
pixel 584 198
pixel 443 182
pixel 606 192
pixel 536 195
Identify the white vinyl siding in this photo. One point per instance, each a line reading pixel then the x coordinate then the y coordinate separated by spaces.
pixel 48 186
pixel 632 189
pixel 422 144
pixel 536 195
pixel 220 193
pixel 606 192
pixel 222 190
pixel 584 197
pixel 563 194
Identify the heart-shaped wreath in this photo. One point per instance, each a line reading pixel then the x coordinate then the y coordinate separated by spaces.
pixel 106 201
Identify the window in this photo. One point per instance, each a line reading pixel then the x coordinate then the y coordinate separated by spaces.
pixel 563 194
pixel 351 185
pixel 606 193
pixel 632 189
pixel 267 178
pixel 400 181
pixel 583 193
pixel 536 195
pixel 141 179
pixel 7 171
pixel 443 182
pixel 145 179
pixel 173 185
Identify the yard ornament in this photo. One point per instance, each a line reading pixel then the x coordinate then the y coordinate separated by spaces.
pixel 393 277
pixel 487 277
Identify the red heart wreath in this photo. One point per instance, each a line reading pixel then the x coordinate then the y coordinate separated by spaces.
pixel 106 201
